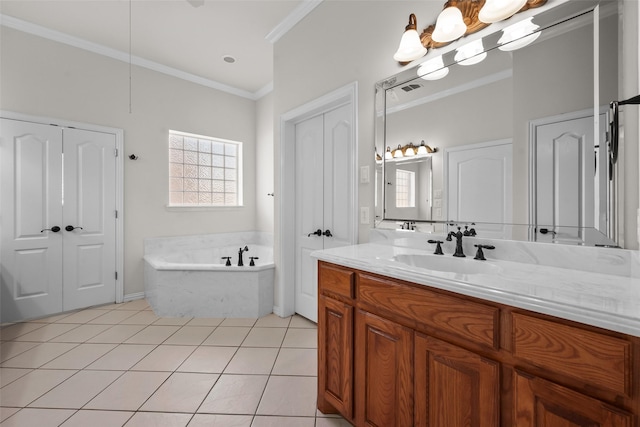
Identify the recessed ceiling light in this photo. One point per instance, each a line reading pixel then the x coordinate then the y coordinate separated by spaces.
pixel 229 59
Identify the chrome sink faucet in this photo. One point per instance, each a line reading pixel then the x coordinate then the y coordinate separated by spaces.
pixel 458 235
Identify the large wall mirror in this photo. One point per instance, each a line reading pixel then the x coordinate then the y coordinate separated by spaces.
pixel 516 135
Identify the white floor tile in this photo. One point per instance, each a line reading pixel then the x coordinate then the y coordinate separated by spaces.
pixel 9 375
pixel 190 335
pixel 112 317
pixel 205 321
pixel 182 392
pixel 122 358
pixel 47 332
pixel 76 391
pixel 13 331
pixel 9 349
pixel 156 419
pixel 80 357
pixel 271 421
pixel 235 394
pixel 206 420
pixel 302 322
pixel 211 360
pixel 153 335
pixel 141 318
pixel 265 337
pixel 117 334
pixel 38 417
pixel 227 336
pixel 28 388
pixel 296 361
pixel 249 360
pixel 164 358
pixel 92 418
pixel 38 356
pixel 273 321
pixel 301 338
pixel 83 316
pixel 289 396
pixel 81 334
pixel 238 322
pixel 129 391
pixel 7 412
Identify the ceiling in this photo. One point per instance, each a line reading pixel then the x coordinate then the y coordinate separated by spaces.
pixel 186 38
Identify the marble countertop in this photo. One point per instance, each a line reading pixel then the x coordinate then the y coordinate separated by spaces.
pixel 603 300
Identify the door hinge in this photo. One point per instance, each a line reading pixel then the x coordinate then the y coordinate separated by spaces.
pixel 116 275
pixel 116 213
pixel 116 152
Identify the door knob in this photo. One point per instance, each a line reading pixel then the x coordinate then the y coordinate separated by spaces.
pixel 318 232
pixel 55 229
pixel 71 228
pixel 327 233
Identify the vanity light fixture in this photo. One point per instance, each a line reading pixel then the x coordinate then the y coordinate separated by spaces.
pixel 471 53
pixel 433 69
pixel 458 18
pixel 449 26
pixel 409 150
pixel 424 149
pixel 387 154
pixel 397 153
pixel 499 10
pixel 411 47
pixel 519 35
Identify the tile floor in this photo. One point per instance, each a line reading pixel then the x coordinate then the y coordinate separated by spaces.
pixel 121 365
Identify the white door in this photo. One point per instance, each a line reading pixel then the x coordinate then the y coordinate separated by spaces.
pixel 571 180
pixel 324 197
pixel 479 187
pixel 89 218
pixel 31 219
pixel 57 208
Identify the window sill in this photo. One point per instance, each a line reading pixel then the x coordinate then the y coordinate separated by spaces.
pixel 189 208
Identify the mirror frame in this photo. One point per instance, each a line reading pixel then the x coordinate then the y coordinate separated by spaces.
pixel 559 11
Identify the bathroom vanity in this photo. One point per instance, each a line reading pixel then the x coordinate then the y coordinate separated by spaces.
pixel 510 344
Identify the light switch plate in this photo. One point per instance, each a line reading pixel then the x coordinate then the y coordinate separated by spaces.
pixel 364 174
pixel 364 215
pixel 437 203
pixel 437 194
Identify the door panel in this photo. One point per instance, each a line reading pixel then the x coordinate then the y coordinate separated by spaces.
pixel 479 179
pixel 30 201
pixel 89 202
pixel 309 212
pixel 324 196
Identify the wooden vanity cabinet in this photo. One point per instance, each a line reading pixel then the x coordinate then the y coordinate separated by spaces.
pixel 391 353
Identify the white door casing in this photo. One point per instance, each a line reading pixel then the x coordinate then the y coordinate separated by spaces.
pixel 479 186
pixel 286 233
pixel 50 272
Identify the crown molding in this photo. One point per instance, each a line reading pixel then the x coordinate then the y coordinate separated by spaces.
pixel 292 20
pixel 57 36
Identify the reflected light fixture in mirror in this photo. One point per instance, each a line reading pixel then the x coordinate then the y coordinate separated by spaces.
pixel 471 53
pixel 518 35
pixel 498 10
pixel 411 47
pixel 449 26
pixel 433 69
pixel 387 154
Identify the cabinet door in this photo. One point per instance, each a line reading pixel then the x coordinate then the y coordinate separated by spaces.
pixel 335 357
pixel 384 371
pixel 540 403
pixel 454 387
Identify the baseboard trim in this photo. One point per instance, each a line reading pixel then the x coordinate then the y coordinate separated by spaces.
pixel 133 297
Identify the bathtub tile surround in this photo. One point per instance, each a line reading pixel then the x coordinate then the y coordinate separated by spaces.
pixel 265 377
pixel 186 275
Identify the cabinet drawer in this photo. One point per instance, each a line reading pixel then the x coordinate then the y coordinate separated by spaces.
pixel 466 319
pixel 588 356
pixel 335 279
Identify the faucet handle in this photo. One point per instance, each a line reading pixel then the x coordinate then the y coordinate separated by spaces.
pixel 469 231
pixel 252 262
pixel 438 247
pixel 480 254
pixel 228 258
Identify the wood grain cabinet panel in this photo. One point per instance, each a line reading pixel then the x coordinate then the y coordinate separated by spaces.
pixel 598 359
pixel 337 280
pixel 466 319
pixel 335 356
pixel 454 387
pixel 384 372
pixel 540 403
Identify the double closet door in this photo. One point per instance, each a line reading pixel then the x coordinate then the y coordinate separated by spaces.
pixel 324 197
pixel 57 218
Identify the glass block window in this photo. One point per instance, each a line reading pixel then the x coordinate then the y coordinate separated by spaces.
pixel 204 171
pixel 405 188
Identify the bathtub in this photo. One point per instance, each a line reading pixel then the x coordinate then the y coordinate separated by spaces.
pixel 187 277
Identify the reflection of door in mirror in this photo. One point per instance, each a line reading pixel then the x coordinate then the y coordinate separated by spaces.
pixel 408 189
pixel 479 186
pixel 571 177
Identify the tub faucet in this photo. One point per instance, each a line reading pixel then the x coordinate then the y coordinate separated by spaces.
pixel 458 235
pixel 240 263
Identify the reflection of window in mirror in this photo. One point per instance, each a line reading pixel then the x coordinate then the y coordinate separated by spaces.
pixel 405 188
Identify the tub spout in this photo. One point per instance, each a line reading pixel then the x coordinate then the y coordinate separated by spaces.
pixel 240 251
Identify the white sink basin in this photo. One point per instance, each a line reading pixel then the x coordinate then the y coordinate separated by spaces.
pixel 448 263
